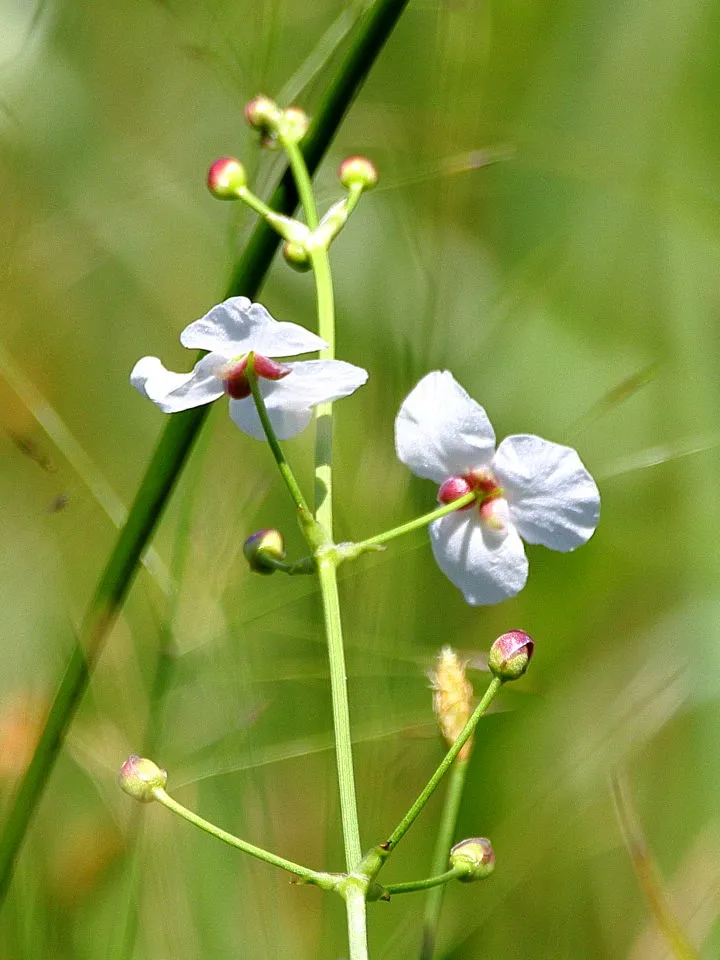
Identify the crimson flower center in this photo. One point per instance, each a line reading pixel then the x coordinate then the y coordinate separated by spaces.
pixel 237 383
pixel 482 483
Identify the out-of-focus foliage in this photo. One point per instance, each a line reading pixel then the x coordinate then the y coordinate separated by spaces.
pixel 572 286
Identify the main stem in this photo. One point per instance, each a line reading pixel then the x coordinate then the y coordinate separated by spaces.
pixel 326 557
pixel 355 907
pixel 341 712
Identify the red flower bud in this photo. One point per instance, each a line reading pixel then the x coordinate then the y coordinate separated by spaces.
pixel 510 654
pixel 263 114
pixel 358 171
pixel 452 489
pixel 226 178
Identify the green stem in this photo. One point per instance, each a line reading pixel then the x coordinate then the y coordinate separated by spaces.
pixel 303 182
pixel 355 905
pixel 326 560
pixel 432 883
pixel 447 761
pixel 341 711
pixel 325 880
pixel 323 412
pixel 282 464
pixel 411 525
pixel 443 843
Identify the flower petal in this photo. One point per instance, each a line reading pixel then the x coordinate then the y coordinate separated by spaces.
pixel 440 431
pixel 553 499
pixel 178 391
pixel 487 568
pixel 289 401
pixel 237 326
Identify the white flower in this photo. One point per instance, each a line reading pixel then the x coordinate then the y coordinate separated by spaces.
pixel 230 331
pixel 528 488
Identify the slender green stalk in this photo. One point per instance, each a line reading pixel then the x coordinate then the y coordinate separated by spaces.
pixel 355 906
pixel 282 464
pixel 411 525
pixel 443 843
pixel 303 182
pixel 433 883
pixel 323 412
pixel 325 880
pixel 447 761
pixel 176 443
pixel 327 561
pixel 341 711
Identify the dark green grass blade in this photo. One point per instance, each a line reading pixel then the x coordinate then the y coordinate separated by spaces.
pixel 175 445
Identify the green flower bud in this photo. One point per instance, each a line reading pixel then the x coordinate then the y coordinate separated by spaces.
pixel 294 124
pixel 358 171
pixel 263 114
pixel 264 546
pixel 475 857
pixel 510 655
pixel 296 256
pixel 140 778
pixel 226 178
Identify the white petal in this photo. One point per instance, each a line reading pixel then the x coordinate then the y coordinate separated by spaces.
pixel 487 568
pixel 237 326
pixel 440 431
pixel 173 392
pixel 553 499
pixel 289 401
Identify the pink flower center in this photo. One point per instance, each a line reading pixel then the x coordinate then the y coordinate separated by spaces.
pixel 237 384
pixel 480 482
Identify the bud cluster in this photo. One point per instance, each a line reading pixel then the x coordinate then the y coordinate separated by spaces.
pixel 277 127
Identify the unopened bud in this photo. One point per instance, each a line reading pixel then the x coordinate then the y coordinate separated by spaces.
pixel 295 124
pixel 262 547
pixel 141 778
pixel 452 489
pixel 358 171
pixel 296 256
pixel 263 114
pixel 226 178
pixel 510 655
pixel 452 698
pixel 475 857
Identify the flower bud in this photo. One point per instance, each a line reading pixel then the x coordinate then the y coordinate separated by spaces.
pixel 295 123
pixel 263 114
pixel 263 546
pixel 296 256
pixel 452 489
pixel 226 178
pixel 510 655
pixel 140 778
pixel 475 857
pixel 358 171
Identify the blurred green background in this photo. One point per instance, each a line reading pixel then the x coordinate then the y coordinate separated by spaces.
pixel 572 287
